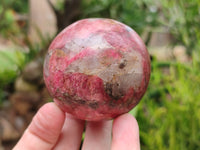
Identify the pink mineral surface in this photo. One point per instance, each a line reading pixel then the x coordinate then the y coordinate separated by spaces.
pixel 97 69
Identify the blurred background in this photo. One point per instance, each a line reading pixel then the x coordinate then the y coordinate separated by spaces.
pixel 169 113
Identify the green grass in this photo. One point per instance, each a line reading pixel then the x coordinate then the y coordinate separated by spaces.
pixel 168 115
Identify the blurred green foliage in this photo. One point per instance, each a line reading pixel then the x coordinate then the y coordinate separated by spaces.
pixel 8 25
pixel 60 5
pixel 13 59
pixel 168 115
pixel 11 63
pixel 182 17
pixel 8 8
pixel 19 6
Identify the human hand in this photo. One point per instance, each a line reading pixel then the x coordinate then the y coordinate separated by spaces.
pixel 53 129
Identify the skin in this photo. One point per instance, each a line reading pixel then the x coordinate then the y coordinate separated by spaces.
pixel 60 131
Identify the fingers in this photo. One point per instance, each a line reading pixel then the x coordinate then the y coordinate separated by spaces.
pixel 44 130
pixel 125 133
pixel 98 136
pixel 71 136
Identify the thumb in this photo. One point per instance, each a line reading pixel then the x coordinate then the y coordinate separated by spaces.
pixel 44 130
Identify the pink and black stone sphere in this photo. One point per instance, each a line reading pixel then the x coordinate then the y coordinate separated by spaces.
pixel 97 69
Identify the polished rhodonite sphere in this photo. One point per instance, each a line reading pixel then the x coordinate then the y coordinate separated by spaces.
pixel 97 69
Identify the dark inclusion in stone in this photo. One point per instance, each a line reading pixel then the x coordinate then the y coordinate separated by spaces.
pixel 93 105
pixel 113 90
pixel 123 64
